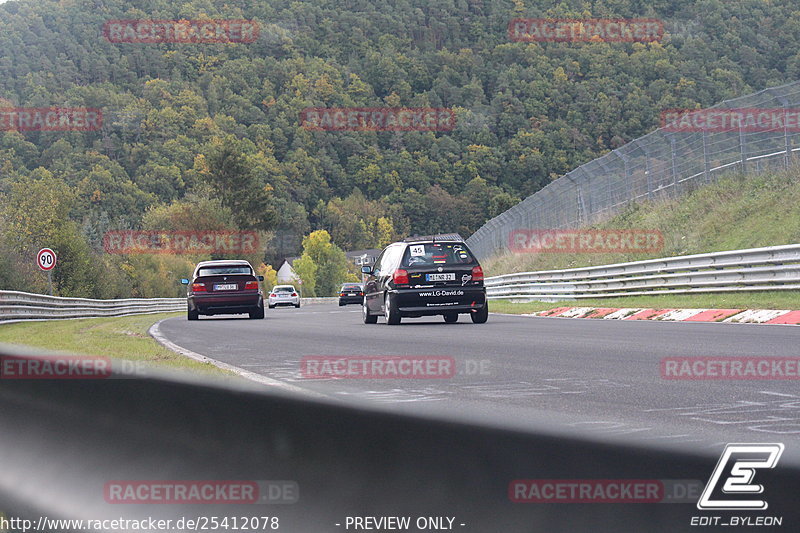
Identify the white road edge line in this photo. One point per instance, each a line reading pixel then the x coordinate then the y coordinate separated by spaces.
pixel 155 332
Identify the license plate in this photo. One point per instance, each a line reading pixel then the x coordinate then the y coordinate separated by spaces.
pixel 226 287
pixel 446 276
pixel 351 294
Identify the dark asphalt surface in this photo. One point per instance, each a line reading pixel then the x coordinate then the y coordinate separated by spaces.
pixel 595 377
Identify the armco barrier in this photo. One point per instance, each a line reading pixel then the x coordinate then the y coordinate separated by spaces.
pixel 754 269
pixel 17 306
pixel 63 441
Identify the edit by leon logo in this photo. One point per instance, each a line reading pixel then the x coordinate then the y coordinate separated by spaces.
pixel 745 459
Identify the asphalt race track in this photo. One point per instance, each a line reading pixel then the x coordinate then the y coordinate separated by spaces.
pixel 594 377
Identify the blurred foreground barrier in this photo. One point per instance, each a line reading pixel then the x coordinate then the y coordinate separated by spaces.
pixel 70 446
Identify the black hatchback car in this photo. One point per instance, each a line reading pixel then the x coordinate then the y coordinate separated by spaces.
pixel 351 293
pixel 424 276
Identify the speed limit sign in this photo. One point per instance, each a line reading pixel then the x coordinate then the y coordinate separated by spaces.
pixel 46 259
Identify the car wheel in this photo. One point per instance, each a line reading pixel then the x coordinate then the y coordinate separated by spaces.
pixel 391 312
pixel 451 318
pixel 297 305
pixel 481 316
pixel 341 304
pixel 271 306
pixel 192 315
pixel 368 318
pixel 257 313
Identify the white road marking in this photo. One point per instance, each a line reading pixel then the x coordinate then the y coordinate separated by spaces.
pixel 155 332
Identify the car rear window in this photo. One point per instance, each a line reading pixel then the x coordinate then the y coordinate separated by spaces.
pixel 224 270
pixel 351 287
pixel 283 289
pixel 437 254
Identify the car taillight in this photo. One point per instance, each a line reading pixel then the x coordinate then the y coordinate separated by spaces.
pixel 251 286
pixel 360 293
pixel 400 277
pixel 341 294
pixel 199 287
pixel 272 295
pixel 477 273
pixel 294 294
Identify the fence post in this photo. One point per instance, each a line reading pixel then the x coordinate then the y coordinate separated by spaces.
pixel 674 170
pixel 787 143
pixel 706 162
pixel 580 206
pixel 588 208
pixel 627 171
pixel 637 142
pixel 742 147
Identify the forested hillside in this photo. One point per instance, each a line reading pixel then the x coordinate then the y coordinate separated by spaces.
pixel 207 136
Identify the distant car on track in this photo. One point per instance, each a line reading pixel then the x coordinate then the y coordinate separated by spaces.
pixel 351 293
pixel 224 287
pixel 283 295
pixel 423 276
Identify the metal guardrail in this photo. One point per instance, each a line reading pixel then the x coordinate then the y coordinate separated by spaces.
pixel 661 164
pixel 753 269
pixel 15 305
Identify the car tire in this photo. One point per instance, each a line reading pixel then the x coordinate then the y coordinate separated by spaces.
pixel 271 306
pixel 368 318
pixel 392 313
pixel 451 318
pixel 481 316
pixel 192 314
pixel 297 305
pixel 257 313
pixel 341 304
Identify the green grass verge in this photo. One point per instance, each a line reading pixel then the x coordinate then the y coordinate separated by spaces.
pixel 119 337
pixel 743 300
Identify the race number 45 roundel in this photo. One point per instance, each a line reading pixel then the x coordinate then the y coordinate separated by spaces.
pixel 46 259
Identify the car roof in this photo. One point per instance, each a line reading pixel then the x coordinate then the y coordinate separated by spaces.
pixel 441 237
pixel 218 262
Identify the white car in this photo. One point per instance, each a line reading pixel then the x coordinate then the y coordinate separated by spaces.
pixel 283 295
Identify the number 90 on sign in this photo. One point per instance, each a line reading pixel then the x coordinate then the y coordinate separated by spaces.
pixel 46 259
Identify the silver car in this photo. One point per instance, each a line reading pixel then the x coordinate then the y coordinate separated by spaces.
pixel 283 295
